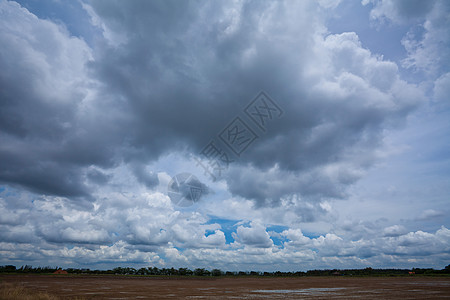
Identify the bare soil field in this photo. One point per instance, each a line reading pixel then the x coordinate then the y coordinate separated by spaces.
pixel 130 287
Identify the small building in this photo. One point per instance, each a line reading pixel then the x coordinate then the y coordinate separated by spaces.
pixel 60 271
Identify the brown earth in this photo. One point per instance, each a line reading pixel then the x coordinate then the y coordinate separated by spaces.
pixel 131 287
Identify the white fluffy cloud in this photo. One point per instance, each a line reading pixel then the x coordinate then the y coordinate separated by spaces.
pixel 442 88
pixel 400 11
pixel 427 48
pixel 140 235
pixel 255 236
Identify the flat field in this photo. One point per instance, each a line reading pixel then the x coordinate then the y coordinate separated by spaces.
pixel 135 287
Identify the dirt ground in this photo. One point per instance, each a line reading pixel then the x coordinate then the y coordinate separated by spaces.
pixel 123 287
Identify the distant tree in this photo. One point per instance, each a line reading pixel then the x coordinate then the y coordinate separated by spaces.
pixel 173 271
pixel 153 271
pixel 165 271
pixel 368 271
pixel 26 269
pixel 142 271
pixel 216 272
pixel 7 269
pixel 446 269
pixel 200 272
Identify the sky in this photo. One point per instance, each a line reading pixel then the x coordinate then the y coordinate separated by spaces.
pixel 240 135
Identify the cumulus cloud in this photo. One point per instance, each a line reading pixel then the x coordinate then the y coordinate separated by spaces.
pixel 394 230
pixel 50 126
pixel 92 133
pixel 400 11
pixel 148 230
pixel 255 236
pixel 159 97
pixel 442 88
pixel 427 42
pixel 332 150
pixel 430 214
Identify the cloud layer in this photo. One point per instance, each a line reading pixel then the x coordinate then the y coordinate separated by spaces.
pixel 92 132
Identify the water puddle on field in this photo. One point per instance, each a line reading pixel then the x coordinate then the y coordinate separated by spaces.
pixel 309 292
pixel 426 283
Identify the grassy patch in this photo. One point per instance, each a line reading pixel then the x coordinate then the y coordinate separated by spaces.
pixel 9 291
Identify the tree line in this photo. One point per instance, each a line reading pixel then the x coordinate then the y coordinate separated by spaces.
pixel 217 272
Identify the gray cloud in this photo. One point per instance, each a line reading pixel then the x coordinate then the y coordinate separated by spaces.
pixel 182 91
pixel 145 177
pixel 426 47
pixel 98 177
pixel 51 128
pixel 166 82
pixel 402 10
pixel 88 130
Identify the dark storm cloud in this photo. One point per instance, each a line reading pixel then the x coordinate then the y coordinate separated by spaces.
pixel 170 75
pixel 50 128
pixel 146 177
pixel 91 133
pixel 186 79
pixel 98 177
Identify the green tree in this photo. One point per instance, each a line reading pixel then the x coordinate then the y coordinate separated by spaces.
pixel 200 272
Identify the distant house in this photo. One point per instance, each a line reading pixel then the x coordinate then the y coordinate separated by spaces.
pixel 60 271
